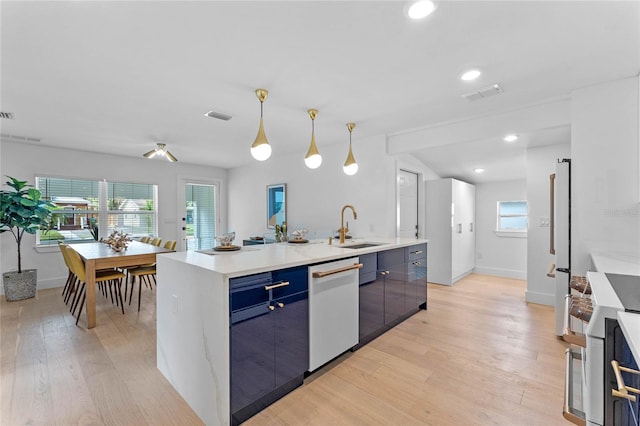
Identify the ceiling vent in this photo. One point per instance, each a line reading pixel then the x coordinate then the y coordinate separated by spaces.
pixel 16 138
pixel 7 115
pixel 218 115
pixel 483 92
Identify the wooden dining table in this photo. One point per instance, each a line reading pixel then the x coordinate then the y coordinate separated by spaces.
pixel 98 256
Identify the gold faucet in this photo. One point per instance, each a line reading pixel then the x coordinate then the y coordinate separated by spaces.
pixel 343 230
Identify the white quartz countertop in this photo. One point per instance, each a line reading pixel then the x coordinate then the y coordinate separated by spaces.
pixel 616 262
pixel 261 258
pixel 630 324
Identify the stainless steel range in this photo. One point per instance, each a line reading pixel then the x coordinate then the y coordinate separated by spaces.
pixel 587 313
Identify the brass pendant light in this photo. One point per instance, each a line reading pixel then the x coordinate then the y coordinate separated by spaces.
pixel 350 166
pixel 261 150
pixel 313 158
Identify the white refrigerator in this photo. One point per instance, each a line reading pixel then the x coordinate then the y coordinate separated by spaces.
pixel 560 236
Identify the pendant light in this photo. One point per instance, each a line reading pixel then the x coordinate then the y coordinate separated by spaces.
pixel 313 158
pixel 350 166
pixel 261 150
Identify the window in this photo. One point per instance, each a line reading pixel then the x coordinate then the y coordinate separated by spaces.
pixel 512 216
pixel 85 208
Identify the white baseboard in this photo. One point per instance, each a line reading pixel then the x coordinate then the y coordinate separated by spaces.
pixel 540 298
pixel 45 284
pixel 501 272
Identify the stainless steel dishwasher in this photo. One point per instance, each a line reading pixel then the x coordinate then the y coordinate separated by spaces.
pixel 333 310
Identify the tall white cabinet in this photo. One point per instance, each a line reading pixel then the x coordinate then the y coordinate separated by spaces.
pixel 451 213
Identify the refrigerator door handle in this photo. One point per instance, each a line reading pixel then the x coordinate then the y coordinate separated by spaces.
pixel 565 270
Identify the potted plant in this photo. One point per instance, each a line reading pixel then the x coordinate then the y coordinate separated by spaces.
pixel 22 210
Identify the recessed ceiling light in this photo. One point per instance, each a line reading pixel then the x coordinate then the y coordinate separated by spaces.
pixel 421 9
pixel 478 170
pixel 511 138
pixel 470 75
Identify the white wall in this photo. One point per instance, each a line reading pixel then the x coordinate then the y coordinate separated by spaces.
pixel 315 197
pixel 26 161
pixel 501 256
pixel 541 162
pixel 605 171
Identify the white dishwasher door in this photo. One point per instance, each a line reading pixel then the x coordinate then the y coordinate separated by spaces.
pixel 333 310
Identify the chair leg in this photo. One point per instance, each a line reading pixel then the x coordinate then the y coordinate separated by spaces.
pixel 84 295
pixel 73 288
pixel 133 284
pixel 139 292
pixel 76 297
pixel 67 285
pixel 119 293
pixel 110 285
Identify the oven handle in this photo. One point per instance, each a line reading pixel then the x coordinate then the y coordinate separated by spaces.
pixel 569 335
pixel 623 390
pixel 567 411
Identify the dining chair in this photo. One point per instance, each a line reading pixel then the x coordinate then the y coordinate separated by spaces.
pixel 70 284
pixel 111 277
pixel 145 273
pixel 156 241
pixel 145 239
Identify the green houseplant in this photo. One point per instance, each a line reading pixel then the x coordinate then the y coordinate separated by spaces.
pixel 22 210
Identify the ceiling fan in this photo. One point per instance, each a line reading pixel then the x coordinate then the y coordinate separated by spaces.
pixel 161 151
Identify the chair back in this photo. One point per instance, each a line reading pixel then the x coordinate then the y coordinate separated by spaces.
pixel 145 239
pixel 170 244
pixel 77 265
pixel 156 241
pixel 63 250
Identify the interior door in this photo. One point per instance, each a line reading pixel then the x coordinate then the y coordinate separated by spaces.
pixel 408 224
pixel 200 216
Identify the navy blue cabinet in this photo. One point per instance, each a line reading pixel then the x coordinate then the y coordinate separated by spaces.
pixel 371 297
pixel 392 267
pixel 393 286
pixel 417 275
pixel 269 338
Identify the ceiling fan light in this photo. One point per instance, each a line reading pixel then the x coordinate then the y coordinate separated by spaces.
pixel 170 157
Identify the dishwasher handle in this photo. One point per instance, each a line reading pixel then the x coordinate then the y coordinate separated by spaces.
pixel 336 271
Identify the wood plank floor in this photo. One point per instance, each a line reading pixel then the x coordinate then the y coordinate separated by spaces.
pixel 479 355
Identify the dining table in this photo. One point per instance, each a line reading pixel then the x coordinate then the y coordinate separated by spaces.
pixel 99 255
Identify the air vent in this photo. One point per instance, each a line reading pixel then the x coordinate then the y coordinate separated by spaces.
pixel 218 115
pixel 482 93
pixel 16 138
pixel 7 115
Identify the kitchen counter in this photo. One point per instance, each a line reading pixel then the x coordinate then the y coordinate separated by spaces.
pixel 268 257
pixel 193 311
pixel 616 262
pixel 630 325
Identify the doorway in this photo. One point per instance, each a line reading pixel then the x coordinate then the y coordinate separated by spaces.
pixel 200 216
pixel 408 204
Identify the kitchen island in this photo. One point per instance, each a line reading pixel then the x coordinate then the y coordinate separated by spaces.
pixel 194 310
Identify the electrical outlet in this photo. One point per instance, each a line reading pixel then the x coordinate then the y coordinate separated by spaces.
pixel 544 222
pixel 174 304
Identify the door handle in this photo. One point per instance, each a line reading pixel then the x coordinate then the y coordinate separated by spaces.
pixel 184 228
pixel 280 305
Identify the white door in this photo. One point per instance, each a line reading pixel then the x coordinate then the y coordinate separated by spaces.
pixel 408 187
pixel 200 216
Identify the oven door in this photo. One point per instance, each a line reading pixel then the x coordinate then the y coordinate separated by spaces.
pixel 574 387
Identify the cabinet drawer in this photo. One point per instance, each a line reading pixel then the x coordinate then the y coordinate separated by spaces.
pixel 388 258
pixel 419 251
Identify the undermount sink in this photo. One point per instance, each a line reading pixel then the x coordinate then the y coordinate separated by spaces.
pixel 360 245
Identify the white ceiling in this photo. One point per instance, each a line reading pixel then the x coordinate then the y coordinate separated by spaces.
pixel 116 76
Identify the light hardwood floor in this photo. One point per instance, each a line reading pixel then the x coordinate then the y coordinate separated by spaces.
pixel 479 355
